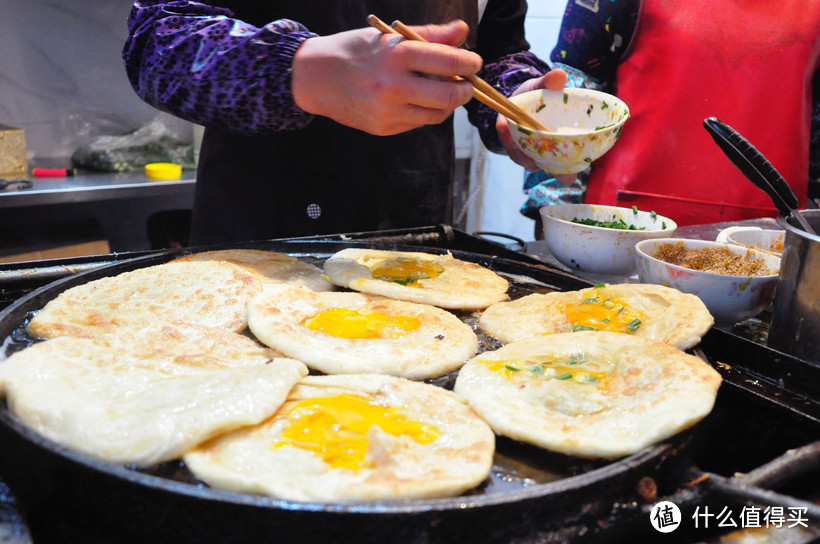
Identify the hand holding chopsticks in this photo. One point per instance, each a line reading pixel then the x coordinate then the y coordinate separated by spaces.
pixel 482 91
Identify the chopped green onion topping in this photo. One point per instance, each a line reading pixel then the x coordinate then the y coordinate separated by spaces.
pixel 564 376
pixel 586 378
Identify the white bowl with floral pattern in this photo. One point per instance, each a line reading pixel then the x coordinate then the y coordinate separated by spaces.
pixel 583 125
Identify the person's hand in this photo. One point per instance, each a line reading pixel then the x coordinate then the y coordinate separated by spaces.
pixel 554 80
pixel 382 83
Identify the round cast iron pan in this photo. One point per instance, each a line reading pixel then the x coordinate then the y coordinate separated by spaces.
pixel 531 494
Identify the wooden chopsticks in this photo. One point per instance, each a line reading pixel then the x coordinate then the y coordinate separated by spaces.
pixel 482 91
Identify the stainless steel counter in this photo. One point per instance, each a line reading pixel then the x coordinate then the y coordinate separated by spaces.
pixel 94 186
pixel 120 203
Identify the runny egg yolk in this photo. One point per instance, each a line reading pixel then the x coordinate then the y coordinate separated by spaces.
pixel 335 428
pixel 407 271
pixel 598 311
pixel 347 323
pixel 574 368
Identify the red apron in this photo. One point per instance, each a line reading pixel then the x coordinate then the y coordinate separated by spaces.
pixel 747 62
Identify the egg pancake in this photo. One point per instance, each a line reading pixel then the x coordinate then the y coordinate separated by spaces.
pixel 145 396
pixel 589 393
pixel 354 437
pixel 210 293
pixel 439 280
pixel 352 333
pixel 269 266
pixel 651 311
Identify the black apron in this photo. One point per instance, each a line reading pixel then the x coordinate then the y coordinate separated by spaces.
pixel 327 178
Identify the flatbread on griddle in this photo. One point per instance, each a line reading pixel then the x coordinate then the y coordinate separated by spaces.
pixel 210 293
pixel 589 393
pixel 352 333
pixel 269 266
pixel 647 310
pixel 425 278
pixel 354 437
pixel 147 395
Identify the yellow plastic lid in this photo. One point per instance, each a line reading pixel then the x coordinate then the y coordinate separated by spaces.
pixel 163 170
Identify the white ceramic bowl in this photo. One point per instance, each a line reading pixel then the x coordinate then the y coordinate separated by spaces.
pixel 729 298
pixel 584 124
pixel 601 251
pixel 770 240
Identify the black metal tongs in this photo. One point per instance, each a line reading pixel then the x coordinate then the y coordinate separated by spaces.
pixel 756 168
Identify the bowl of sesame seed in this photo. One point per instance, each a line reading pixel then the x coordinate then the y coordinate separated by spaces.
pixel 734 282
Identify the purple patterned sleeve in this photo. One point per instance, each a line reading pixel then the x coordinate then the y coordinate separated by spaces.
pixel 199 63
pixel 506 74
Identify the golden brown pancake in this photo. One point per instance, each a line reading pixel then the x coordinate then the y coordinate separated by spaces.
pixel 354 437
pixel 353 333
pixel 270 267
pixel 425 278
pixel 589 393
pixel 651 311
pixel 147 395
pixel 210 293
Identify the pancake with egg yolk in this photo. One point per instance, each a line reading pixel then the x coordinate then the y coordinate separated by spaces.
pixel 354 437
pixel 652 311
pixel 425 278
pixel 351 333
pixel 589 393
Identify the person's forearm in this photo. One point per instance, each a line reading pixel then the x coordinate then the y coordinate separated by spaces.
pixel 506 74
pixel 201 64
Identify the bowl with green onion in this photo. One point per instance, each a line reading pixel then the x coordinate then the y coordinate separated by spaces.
pixel 598 241
pixel 582 124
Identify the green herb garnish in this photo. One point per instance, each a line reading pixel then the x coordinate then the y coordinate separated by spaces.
pixel 634 324
pixel 564 376
pixel 566 98
pixel 510 367
pixel 586 379
pixel 540 107
pixel 613 224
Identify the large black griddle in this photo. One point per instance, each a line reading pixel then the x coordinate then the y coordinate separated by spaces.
pixel 532 495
